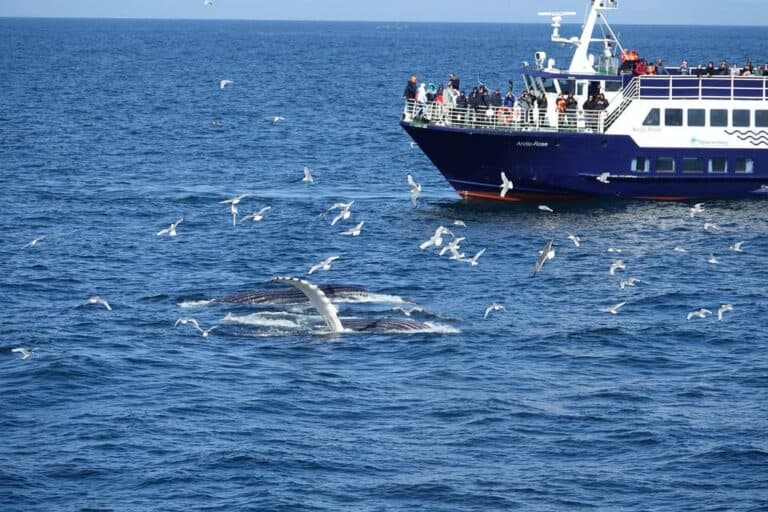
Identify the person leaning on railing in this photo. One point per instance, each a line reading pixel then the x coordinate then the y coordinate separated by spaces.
pixel 411 89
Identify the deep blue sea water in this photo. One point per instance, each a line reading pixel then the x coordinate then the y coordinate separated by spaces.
pixel 107 135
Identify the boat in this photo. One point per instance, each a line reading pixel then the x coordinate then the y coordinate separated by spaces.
pixel 677 134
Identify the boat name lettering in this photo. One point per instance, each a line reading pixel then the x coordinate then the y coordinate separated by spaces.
pixel 532 144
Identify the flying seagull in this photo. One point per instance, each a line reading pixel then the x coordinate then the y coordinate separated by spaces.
pixel 235 200
pixel 437 238
pixel 473 260
pixel 99 300
pixel 575 239
pixel 187 320
pixel 616 265
pixel 225 83
pixel 355 231
pixel 613 309
pixel 343 215
pixel 34 242
pixel 547 253
pixel 545 208
pixel 603 178
pixel 170 230
pixel 494 307
pixel 632 281
pixel 415 189
pixel 323 265
pixel 722 309
pixel 737 246
pixel 307 176
pixel 256 216
pixel 25 353
pixel 699 313
pixel 505 186
pixel 697 208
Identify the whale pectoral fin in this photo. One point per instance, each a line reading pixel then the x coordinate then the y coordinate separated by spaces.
pixel 318 299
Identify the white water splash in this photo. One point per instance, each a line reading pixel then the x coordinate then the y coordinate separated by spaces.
pixel 190 304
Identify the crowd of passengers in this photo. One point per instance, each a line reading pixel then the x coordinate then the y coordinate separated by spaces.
pixel 449 104
pixel 631 62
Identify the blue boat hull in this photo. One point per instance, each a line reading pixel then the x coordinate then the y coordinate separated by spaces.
pixel 562 165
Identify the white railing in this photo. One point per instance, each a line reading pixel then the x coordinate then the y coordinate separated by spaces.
pixel 690 87
pixel 505 118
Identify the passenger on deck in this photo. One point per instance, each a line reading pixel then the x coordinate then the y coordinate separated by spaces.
pixel 650 69
pixel 571 107
pixel 411 89
pixel 685 68
pixel 710 69
pixel 723 70
pixel 601 103
pixel 473 103
pixel 640 68
pixel 462 106
pixel 765 70
pixel 561 105
pixel 699 71
pixel 496 99
pixel 431 92
pixel 526 104
pixel 660 69
pixel 748 69
pixel 509 99
pixel 453 81
pixel 542 103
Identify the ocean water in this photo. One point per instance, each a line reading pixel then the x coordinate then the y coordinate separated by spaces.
pixel 111 130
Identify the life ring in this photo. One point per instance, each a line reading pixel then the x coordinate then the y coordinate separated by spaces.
pixel 505 115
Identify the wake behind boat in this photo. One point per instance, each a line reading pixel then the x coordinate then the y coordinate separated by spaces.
pixel 609 125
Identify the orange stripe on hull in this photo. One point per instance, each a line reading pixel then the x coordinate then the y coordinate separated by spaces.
pixel 517 197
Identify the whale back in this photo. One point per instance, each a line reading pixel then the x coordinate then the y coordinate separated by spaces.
pixel 290 295
pixel 318 299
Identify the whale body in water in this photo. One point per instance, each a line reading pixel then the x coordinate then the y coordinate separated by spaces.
pixel 291 295
pixel 318 298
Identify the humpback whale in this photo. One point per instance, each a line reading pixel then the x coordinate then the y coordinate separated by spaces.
pixel 291 296
pixel 318 298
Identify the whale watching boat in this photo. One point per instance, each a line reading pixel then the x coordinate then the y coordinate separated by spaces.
pixel 674 136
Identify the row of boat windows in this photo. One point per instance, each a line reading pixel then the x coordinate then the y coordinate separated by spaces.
pixel 698 117
pixel 694 165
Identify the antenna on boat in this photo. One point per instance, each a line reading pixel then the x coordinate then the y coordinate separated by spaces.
pixel 557 22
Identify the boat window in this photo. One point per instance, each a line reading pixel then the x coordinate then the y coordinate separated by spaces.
pixel 665 164
pixel 718 165
pixel 612 86
pixel 693 165
pixel 673 117
pixel 741 118
pixel 653 118
pixel 696 117
pixel 641 164
pixel 718 117
pixel 549 85
pixel 744 166
pixel 761 118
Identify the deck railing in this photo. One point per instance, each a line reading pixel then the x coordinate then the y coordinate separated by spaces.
pixel 717 87
pixel 505 118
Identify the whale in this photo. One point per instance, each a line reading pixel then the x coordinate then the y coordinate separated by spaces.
pixel 291 295
pixel 322 303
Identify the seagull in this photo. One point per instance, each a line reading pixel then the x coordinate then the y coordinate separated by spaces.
pixel 225 83
pixel 34 242
pixel 616 265
pixel 188 320
pixel 460 223
pixel 336 206
pixel 737 247
pixel 506 185
pixel 575 239
pixel 679 249
pixel 414 145
pixel 324 265
pixel 307 176
pixel 473 260
pixel 415 189
pixel 722 309
pixel 699 313
pixel 545 208
pixel 256 216
pixel 708 226
pixel 206 332
pixel 613 309
pixel 277 119
pixel 603 178
pixel 25 353
pixel 494 307
pixel 355 231
pixel 713 259
pixel 409 311
pixel 235 200
pixel 170 230
pixel 344 215
pixel 98 300
pixel 547 253
pixel 208 3
pixel 614 250
pixel 697 208
pixel 452 246
pixel 632 281
pixel 436 239
pixel 233 210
